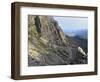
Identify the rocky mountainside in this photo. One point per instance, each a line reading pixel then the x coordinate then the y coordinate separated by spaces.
pixel 48 45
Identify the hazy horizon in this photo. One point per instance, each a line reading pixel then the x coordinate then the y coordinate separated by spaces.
pixel 71 25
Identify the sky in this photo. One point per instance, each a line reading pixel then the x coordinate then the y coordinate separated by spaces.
pixel 69 24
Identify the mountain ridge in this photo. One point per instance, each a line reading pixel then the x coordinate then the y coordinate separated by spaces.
pixel 48 45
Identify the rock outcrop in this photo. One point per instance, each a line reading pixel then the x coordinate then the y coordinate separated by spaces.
pixel 48 45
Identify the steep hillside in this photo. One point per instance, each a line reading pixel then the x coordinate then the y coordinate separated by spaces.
pixel 48 45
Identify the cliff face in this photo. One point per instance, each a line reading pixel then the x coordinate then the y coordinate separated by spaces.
pixel 48 45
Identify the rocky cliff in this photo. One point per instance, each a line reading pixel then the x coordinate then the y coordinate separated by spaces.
pixel 48 45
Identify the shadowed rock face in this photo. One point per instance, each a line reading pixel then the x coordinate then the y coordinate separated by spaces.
pixel 48 45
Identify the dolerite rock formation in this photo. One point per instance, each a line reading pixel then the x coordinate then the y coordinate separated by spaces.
pixel 48 45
